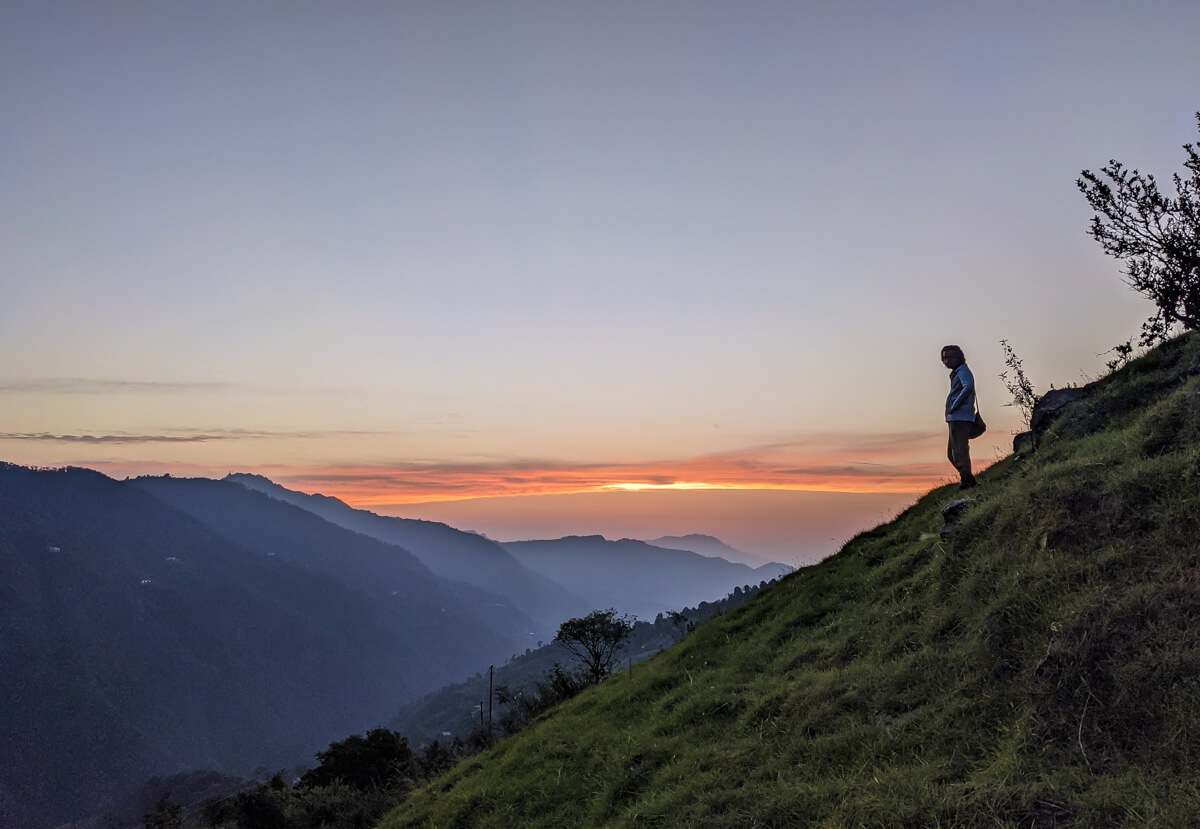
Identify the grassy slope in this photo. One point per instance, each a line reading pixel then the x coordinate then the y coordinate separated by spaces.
pixel 1041 668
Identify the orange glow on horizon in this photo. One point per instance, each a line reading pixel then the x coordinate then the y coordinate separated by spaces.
pixel 360 497
pixel 900 464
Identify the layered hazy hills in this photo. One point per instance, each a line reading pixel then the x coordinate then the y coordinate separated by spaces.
pixel 1030 661
pixel 552 580
pixel 450 553
pixel 159 625
pixel 706 545
pixel 384 570
pixel 633 576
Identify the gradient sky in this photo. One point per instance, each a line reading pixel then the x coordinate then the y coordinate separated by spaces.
pixel 407 253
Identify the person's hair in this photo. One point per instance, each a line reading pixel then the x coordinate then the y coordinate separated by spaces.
pixel 955 350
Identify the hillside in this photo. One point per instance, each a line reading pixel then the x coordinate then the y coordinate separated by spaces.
pixel 451 709
pixel 1036 666
pixel 136 639
pixel 440 615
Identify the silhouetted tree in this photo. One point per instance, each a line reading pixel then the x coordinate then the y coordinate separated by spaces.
pixel 526 704
pixel 375 761
pixel 263 807
pixel 437 757
pixel 1157 236
pixel 166 815
pixel 681 621
pixel 595 639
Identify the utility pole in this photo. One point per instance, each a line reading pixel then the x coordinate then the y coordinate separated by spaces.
pixel 491 676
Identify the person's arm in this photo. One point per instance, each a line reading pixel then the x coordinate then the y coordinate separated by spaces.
pixel 967 392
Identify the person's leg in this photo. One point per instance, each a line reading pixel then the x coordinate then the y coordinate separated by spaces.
pixel 959 450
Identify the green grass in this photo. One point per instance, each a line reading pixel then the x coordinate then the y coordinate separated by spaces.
pixel 1040 668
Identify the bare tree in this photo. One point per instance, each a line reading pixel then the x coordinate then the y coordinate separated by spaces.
pixel 1018 385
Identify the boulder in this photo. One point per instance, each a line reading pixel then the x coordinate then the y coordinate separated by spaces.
pixel 1052 404
pixel 955 509
pixel 952 513
pixel 1023 443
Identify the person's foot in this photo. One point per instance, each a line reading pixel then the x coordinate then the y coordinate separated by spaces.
pixel 968 483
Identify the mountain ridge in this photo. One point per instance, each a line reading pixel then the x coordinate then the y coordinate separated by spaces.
pixel 135 640
pixel 710 546
pixel 631 575
pixel 387 571
pixel 449 552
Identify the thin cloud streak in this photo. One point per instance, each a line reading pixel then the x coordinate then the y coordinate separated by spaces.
pixel 103 387
pixel 178 436
pixel 888 444
pixel 83 385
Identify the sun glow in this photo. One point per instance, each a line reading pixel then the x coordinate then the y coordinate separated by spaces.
pixel 642 487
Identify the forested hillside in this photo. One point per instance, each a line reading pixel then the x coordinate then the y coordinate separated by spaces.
pixel 226 631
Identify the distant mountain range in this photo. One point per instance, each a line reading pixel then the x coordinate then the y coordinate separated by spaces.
pixel 633 576
pixel 160 624
pixel 552 580
pixel 706 545
pixel 387 572
pixel 449 553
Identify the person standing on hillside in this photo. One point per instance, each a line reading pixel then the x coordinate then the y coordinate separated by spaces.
pixel 960 412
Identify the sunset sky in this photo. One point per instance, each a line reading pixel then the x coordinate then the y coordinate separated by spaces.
pixel 635 268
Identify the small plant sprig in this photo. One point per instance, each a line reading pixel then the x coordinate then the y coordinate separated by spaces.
pixel 1123 353
pixel 1018 385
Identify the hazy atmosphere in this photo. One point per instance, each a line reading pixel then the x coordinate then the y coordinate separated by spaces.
pixel 536 269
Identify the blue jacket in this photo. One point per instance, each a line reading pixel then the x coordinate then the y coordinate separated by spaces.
pixel 960 404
